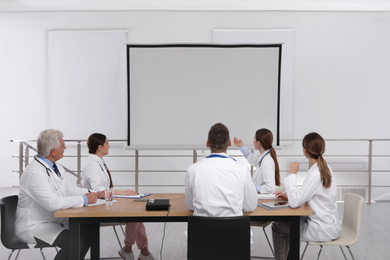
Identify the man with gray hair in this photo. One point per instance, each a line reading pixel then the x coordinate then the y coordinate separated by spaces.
pixel 42 191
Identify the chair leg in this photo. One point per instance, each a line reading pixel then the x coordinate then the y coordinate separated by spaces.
pixel 43 255
pixel 304 251
pixel 350 252
pixel 319 253
pixel 117 237
pixel 122 229
pixel 269 243
pixel 10 254
pixel 342 251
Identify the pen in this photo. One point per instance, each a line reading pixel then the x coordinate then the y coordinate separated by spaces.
pixel 280 194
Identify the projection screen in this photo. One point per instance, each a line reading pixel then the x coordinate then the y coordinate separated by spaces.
pixel 177 92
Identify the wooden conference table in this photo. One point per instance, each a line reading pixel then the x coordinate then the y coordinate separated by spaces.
pixel 126 210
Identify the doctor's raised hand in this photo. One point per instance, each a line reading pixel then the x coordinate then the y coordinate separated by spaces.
pixel 238 142
pixel 294 167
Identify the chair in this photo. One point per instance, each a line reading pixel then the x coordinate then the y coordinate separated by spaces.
pixel 114 225
pixel 221 238
pixel 8 238
pixel 353 205
pixel 264 225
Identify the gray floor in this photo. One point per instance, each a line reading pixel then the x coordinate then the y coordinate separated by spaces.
pixel 374 242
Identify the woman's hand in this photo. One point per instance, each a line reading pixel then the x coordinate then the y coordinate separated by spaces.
pixel 129 192
pixel 294 167
pixel 238 142
pixel 281 195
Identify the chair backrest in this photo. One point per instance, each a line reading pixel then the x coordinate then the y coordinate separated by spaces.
pixel 8 211
pixel 218 238
pixel 353 205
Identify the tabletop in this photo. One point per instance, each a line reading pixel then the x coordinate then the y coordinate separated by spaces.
pixel 126 207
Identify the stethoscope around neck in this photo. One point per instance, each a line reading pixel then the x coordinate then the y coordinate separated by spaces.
pixel 49 173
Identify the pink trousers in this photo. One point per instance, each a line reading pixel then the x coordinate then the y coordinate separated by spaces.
pixel 136 233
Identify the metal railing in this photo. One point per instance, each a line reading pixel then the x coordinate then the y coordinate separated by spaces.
pixel 25 147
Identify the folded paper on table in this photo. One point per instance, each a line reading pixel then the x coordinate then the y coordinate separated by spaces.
pixel 266 196
pixel 99 202
pixel 138 196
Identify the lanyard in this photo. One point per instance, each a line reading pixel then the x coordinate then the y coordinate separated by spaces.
pixel 263 158
pixel 219 156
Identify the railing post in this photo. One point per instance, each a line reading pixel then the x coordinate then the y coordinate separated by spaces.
pixel 136 169
pixel 194 156
pixel 20 159
pixel 78 162
pixel 26 156
pixel 369 170
pixel 252 165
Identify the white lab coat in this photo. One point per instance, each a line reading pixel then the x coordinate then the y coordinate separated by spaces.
pixel 40 196
pixel 323 225
pixel 265 174
pixel 219 187
pixel 95 176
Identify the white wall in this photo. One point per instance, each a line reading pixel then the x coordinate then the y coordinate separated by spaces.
pixel 341 65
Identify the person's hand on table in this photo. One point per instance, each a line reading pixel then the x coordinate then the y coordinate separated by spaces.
pixel 92 197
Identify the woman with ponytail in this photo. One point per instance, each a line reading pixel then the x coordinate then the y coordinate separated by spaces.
pixel 318 190
pixel 266 177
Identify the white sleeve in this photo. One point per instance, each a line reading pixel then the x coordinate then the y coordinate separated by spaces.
pixel 188 191
pixel 250 194
pixel 41 191
pixel 250 157
pixel 297 197
pixel 92 176
pixel 268 172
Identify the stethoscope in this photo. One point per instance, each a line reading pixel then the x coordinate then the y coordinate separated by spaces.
pixel 219 156
pixel 263 158
pixel 49 173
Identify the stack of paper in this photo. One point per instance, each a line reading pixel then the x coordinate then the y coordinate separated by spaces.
pixel 266 196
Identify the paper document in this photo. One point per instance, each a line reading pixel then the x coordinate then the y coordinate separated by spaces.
pixel 266 196
pixel 138 196
pixel 99 202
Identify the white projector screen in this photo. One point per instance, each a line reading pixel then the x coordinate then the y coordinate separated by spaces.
pixel 177 92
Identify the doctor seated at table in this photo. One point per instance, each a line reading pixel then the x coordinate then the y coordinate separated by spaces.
pixel 43 190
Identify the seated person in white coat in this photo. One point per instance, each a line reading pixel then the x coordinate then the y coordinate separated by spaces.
pixel 97 177
pixel 42 191
pixel 266 176
pixel 318 190
pixel 218 186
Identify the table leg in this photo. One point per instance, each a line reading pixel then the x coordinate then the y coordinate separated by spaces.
pixel 295 239
pixel 74 241
pixel 95 247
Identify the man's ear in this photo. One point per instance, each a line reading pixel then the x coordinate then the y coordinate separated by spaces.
pixel 230 143
pixel 207 144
